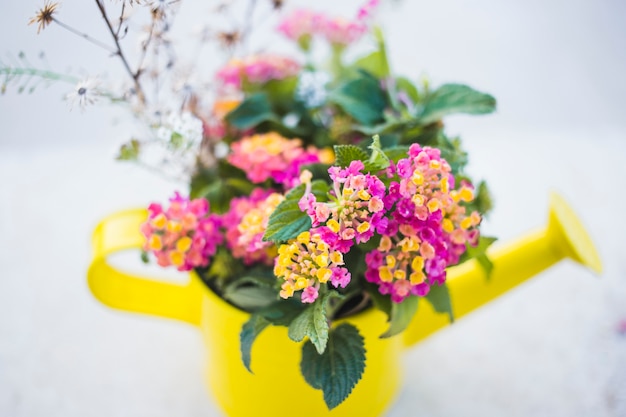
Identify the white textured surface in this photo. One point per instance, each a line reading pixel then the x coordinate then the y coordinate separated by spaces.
pixel 550 348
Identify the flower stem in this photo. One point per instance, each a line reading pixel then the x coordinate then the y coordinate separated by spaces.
pixel 118 52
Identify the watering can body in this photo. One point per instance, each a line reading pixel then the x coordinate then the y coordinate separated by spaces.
pixel 277 387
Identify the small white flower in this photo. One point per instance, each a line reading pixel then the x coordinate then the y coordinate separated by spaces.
pixel 311 88
pixel 86 92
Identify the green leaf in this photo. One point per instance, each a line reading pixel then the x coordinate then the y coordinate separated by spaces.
pixel 397 153
pixel 337 371
pixel 482 202
pixel 401 315
pixel 252 291
pixel 282 312
pixel 222 265
pixel 319 171
pixel 372 63
pixel 455 98
pixel 288 221
pixel 439 298
pixel 378 160
pixel 129 151
pixel 381 302
pixel 480 254
pixel 453 153
pixel 405 85
pixel 250 330
pixel 362 98
pixel 251 112
pixel 344 154
pixel 312 323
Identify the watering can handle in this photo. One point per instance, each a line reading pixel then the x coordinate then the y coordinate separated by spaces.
pixel 124 291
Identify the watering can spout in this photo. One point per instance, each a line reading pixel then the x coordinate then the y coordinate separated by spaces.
pixel 513 263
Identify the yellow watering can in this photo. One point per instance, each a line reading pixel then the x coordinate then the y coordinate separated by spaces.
pixel 277 388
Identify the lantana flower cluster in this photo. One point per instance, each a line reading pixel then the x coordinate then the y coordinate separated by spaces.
pixel 257 69
pixel 246 222
pixel 302 25
pixel 428 226
pixel 271 156
pixel 184 235
pixel 422 223
pixel 307 262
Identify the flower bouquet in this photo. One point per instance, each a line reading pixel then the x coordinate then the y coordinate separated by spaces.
pixel 317 188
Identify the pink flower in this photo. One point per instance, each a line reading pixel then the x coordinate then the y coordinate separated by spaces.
pixel 257 69
pixel 309 295
pixel 300 23
pixel 355 210
pixel 245 224
pixel 185 235
pixel 428 226
pixel 271 156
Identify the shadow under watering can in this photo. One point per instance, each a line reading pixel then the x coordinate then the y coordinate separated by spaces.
pixel 275 358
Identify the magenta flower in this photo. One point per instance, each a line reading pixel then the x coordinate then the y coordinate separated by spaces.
pixel 355 211
pixel 271 156
pixel 245 224
pixel 428 227
pixel 257 69
pixel 184 235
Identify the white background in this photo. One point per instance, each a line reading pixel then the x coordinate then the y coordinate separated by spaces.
pixel 550 348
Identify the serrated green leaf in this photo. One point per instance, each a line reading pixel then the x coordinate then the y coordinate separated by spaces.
pixel 401 315
pixel 337 371
pixel 362 98
pixel 439 298
pixel 455 98
pixel 312 323
pixel 344 154
pixel 288 221
pixel 378 160
pixel 249 332
pixel 252 111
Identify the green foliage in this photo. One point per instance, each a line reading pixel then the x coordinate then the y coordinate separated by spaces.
pixel 319 171
pixel 455 98
pixel 439 298
pixel 288 221
pixel 482 201
pixel 344 154
pixel 312 323
pixel 397 153
pixel 361 98
pixel 249 332
pixel 337 371
pixel 129 151
pixel 373 63
pixel 480 254
pixel 452 152
pixel 378 160
pixel 401 315
pixel 406 86
pixel 254 110
pixel 254 290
